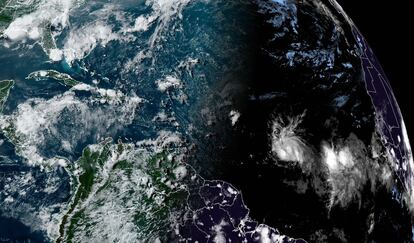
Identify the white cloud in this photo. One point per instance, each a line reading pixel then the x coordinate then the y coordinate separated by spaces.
pixel 234 117
pixel 31 25
pixel 55 54
pixel 142 23
pixel 168 82
pixel 83 40
pixel 219 235
pixel 337 160
pixel 349 167
pixel 37 121
pixel 287 145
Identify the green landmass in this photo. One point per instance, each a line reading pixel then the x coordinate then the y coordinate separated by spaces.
pixel 5 86
pixel 64 78
pixel 153 194
pixel 48 42
pixel 12 9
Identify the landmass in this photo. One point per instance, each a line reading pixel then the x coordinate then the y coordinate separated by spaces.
pixel 66 79
pixel 5 86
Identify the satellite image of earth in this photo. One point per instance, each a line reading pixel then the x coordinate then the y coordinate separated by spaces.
pixel 197 121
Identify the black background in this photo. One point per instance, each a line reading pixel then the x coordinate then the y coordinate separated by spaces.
pixel 387 25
